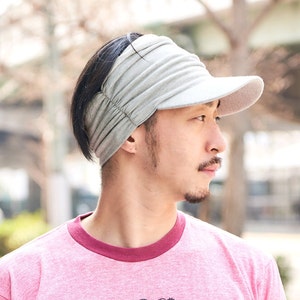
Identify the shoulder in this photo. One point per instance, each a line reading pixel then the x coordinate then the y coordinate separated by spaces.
pixel 38 247
pixel 222 253
pixel 23 266
pixel 223 243
pixel 211 232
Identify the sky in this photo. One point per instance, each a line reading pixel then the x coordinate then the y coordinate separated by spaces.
pixel 4 4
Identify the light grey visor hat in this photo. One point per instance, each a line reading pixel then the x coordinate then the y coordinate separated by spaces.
pixel 155 74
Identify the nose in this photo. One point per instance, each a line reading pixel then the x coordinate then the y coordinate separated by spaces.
pixel 216 142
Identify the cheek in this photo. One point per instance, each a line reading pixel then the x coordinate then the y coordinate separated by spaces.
pixel 176 150
pixel 178 145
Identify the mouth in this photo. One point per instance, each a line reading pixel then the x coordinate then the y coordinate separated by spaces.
pixel 211 170
pixel 210 167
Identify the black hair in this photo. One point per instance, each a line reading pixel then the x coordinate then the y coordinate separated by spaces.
pixel 89 83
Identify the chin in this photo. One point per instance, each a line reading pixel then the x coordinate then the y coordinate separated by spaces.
pixel 196 198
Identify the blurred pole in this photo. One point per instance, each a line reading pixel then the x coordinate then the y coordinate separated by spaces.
pixel 57 191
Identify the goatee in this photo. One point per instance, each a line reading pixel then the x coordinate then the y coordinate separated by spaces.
pixel 192 198
pixel 204 194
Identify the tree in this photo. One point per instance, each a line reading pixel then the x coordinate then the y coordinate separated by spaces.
pixel 237 34
pixel 51 40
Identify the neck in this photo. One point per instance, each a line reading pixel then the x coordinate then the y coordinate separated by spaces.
pixel 131 215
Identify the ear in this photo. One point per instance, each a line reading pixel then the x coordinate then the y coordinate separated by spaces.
pixel 129 145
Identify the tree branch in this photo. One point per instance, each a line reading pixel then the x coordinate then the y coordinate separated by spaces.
pixel 266 9
pixel 225 29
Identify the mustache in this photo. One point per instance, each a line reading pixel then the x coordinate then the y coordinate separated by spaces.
pixel 215 160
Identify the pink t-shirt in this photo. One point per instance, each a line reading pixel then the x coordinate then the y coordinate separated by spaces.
pixel 194 260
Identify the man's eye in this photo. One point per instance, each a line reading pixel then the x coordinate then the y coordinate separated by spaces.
pixel 218 119
pixel 201 118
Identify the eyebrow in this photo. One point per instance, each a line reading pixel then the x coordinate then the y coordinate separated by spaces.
pixel 210 104
pixel 199 107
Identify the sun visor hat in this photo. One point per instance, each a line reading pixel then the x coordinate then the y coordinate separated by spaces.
pixel 153 73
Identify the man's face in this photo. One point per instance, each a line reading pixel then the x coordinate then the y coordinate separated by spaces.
pixel 182 147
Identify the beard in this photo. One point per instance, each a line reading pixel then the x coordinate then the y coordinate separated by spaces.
pixel 202 195
pixel 196 198
pixel 152 141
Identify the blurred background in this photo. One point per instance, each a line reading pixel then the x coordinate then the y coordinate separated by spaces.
pixel 44 180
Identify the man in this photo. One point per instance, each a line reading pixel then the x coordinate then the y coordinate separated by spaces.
pixel 149 111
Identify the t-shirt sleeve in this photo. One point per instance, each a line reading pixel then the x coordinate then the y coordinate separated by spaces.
pixel 270 287
pixel 4 283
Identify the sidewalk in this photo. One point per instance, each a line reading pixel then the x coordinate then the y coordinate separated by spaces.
pixel 284 244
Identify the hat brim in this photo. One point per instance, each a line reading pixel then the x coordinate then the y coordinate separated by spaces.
pixel 235 93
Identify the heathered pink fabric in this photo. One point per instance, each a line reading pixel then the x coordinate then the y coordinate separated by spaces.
pixel 194 260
